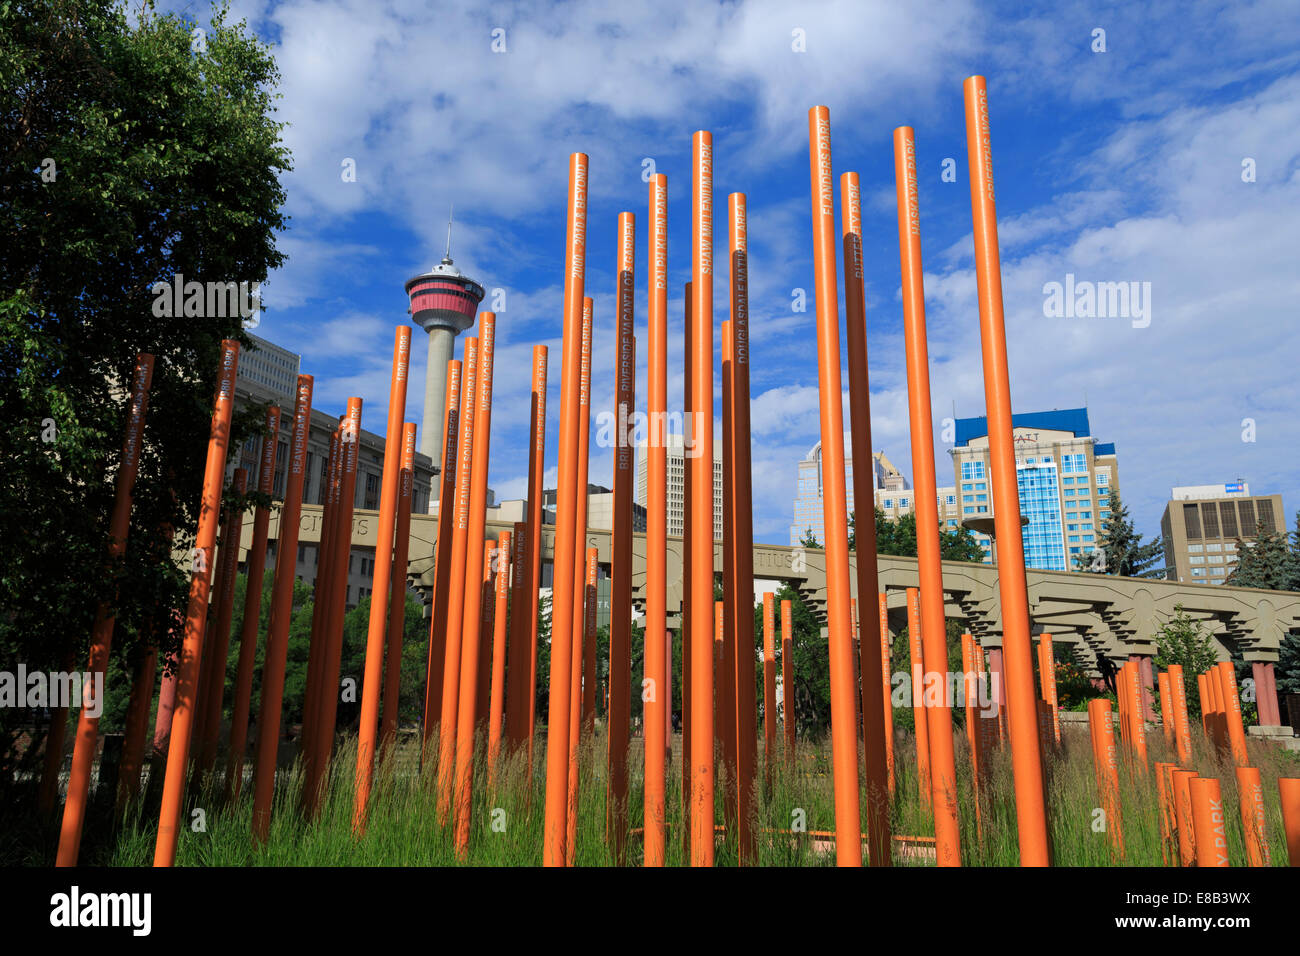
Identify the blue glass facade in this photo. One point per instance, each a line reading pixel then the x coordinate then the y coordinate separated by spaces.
pixel 1040 502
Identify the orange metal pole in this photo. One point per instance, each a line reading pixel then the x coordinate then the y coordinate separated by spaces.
pixel 1206 703
pixel 562 610
pixel 1250 792
pixel 1183 816
pixel 724 720
pixel 769 687
pixel 844 738
pixel 256 566
pixel 1232 713
pixel 1168 811
pixel 536 467
pixel 920 714
pixel 433 682
pixel 790 718
pixel 1289 790
pixel 458 578
pixel 688 398
pixel 277 637
pixel 516 714
pixel 1049 684
pixel 370 688
pixel 101 637
pixel 885 685
pixel 320 604
pixel 1178 708
pixel 970 689
pixel 216 676
pixel 1208 822
pixel 1162 796
pixel 486 627
pixel 874 705
pixel 934 639
pixel 656 686
pixel 497 707
pixel 1166 704
pixel 467 699
pixel 1031 810
pixel 1101 728
pixel 1137 721
pixel 397 597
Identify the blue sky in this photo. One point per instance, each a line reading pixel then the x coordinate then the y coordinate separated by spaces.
pixel 1123 165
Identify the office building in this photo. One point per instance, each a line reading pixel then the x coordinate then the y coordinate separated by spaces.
pixel 1202 524
pixel 677 484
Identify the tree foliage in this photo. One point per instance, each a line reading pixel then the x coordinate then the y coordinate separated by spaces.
pixel 1185 641
pixel 1124 552
pixel 897 536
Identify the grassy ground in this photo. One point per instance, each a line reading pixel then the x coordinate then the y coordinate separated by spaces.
pixel 507 825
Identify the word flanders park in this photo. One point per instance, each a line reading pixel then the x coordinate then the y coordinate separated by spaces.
pixel 887 798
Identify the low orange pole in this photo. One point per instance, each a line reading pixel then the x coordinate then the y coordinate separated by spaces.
pixel 1204 693
pixel 433 682
pixel 1031 809
pixel 1232 712
pixel 1208 823
pixel 1178 704
pixel 790 716
pixel 497 706
pixel 1162 796
pixel 1166 707
pixel 656 685
pixel 277 637
pixel 563 619
pixel 769 686
pixel 1101 728
pixel 256 565
pixel 1183 816
pixel 844 717
pixel 919 711
pixel 970 690
pixel 1250 792
pixel 476 517
pixel 136 725
pixel 101 635
pixel 1170 810
pixel 397 597
pixel 725 719
pixel 886 686
pixel 1137 721
pixel 1289 790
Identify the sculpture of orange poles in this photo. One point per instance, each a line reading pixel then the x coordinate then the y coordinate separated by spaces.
pixel 790 718
pixel 496 709
pixel 656 692
pixel 1208 823
pixel 619 715
pixel 397 599
pixel 457 578
pixel 724 720
pixel 934 640
pixel 320 604
pixel 101 637
pixel 442 560
pixel 256 568
pixel 370 688
pixel 920 713
pixel 467 699
pixel 769 687
pixel 844 742
pixel 699 534
pixel 1232 713
pixel 885 685
pixel 1183 816
pixel 1026 759
pixel 536 466
pixel 1250 792
pixel 1289 790
pixel 688 398
pixel 1178 705
pixel 1105 758
pixel 277 637
pixel 562 610
pixel 873 706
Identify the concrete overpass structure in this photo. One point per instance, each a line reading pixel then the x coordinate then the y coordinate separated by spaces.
pixel 1101 615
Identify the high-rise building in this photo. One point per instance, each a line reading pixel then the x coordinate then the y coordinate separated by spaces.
pixel 270 367
pixel 1064 477
pixel 893 492
pixel 677 483
pixel 1201 524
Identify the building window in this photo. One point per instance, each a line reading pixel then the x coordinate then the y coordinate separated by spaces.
pixel 1071 514
pixel 1071 527
pixel 1074 550
pixel 1067 481
pixel 968 510
pixel 1087 526
pixel 981 509
pixel 1197 559
pixel 1214 547
pixel 1195 548
pixel 952 500
pixel 1218 572
pixel 889 503
pixel 1102 479
pixel 1088 537
pixel 1198 572
pixel 1070 493
pixel 982 486
pixel 1074 538
pixel 1214 559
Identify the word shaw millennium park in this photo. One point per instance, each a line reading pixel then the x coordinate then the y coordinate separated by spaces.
pixel 490 662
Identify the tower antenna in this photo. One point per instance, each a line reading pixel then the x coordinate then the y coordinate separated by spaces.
pixel 446 257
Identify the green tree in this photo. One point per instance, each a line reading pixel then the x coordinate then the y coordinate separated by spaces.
pixel 132 155
pixel 1185 641
pixel 810 661
pixel 897 536
pixel 1122 548
pixel 1270 561
pixel 809 540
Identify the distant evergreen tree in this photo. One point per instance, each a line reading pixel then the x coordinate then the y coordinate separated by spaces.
pixel 809 540
pixel 1271 561
pixel 898 537
pixel 1124 553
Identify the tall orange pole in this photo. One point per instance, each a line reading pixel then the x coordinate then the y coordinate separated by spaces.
pixel 886 703
pixel 562 610
pixel 1289 791
pixel 397 597
pixel 1232 712
pixel 458 576
pixel 1166 705
pixel 496 708
pixel 581 591
pixel 486 626
pixel 699 535
pixel 619 716
pixel 725 714
pixel 1183 816
pixel 934 638
pixel 1178 704
pixel 182 717
pixel 970 689
pixel 844 737
pixel 442 560
pixel 536 467
pixel 656 686
pixel 216 676
pixel 873 704
pixel 1208 823
pixel 1250 791
pixel 101 636
pixel 277 637
pixel 516 713
pixel 769 687
pixel 467 702
pixel 1101 728
pixel 790 718
pixel 1026 758
pixel 256 565
pixel 370 688
pixel 320 604
pixel 920 713
pixel 688 399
